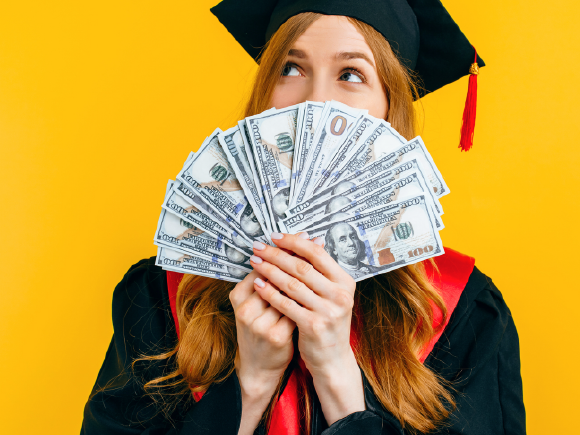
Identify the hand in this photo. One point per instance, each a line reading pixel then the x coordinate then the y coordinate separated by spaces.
pixel 319 297
pixel 265 349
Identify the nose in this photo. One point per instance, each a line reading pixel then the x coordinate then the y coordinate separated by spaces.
pixel 320 89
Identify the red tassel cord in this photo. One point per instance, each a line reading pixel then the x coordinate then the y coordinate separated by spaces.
pixel 468 123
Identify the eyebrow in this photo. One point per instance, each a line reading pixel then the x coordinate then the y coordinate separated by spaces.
pixel 343 55
pixel 348 55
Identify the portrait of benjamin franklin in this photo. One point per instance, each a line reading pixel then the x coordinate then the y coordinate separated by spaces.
pixel 249 222
pixel 344 245
pixel 235 256
pixel 236 273
pixel 280 203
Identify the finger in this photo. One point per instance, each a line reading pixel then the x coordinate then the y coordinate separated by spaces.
pixel 265 322
pixel 312 252
pixel 243 289
pixel 295 266
pixel 290 285
pixel 284 304
pixel 252 308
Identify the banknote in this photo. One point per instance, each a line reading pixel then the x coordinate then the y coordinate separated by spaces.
pixel 413 150
pixel 406 187
pixel 182 201
pixel 182 235
pixel 310 121
pixel 382 140
pixel 353 196
pixel 362 129
pixel 273 136
pixel 210 175
pixel 252 162
pixel 336 123
pixel 177 261
pixel 383 239
pixel 233 145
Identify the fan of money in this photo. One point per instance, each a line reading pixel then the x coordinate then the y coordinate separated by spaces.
pixel 324 168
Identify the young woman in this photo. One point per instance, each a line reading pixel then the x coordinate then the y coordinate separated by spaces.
pixel 297 346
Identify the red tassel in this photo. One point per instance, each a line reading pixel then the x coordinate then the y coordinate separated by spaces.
pixel 468 123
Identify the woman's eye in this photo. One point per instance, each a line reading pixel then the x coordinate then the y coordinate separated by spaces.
pixel 351 77
pixel 290 70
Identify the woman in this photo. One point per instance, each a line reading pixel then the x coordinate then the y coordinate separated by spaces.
pixel 297 347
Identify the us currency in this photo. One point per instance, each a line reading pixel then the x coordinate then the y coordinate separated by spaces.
pixel 250 155
pixel 181 235
pixel 181 201
pixel 404 188
pixel 233 145
pixel 360 132
pixel 383 239
pixel 210 175
pixel 381 141
pixel 336 124
pixel 310 122
pixel 414 149
pixel 273 137
pixel 177 261
pixel 353 197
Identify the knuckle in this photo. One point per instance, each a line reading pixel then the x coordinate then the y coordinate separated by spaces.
pixel 318 250
pixel 303 267
pixel 318 327
pixel 287 303
pixel 258 328
pixel 243 314
pixel 275 338
pixel 344 300
pixel 294 284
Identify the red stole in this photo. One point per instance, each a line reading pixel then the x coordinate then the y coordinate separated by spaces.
pixel 454 271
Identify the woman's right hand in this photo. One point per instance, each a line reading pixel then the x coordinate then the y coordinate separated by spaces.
pixel 265 349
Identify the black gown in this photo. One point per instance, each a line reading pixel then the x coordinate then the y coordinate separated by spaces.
pixel 478 352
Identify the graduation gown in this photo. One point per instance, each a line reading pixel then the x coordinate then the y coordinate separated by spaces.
pixel 478 352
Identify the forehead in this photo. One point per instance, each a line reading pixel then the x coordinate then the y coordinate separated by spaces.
pixel 342 230
pixel 330 34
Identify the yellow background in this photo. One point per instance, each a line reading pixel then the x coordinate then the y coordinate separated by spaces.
pixel 100 103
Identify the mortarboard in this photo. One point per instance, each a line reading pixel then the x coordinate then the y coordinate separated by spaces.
pixel 421 33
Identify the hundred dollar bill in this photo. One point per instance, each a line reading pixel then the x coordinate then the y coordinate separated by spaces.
pixel 310 121
pixel 272 138
pixel 182 201
pixel 233 145
pixel 210 175
pixel 383 239
pixel 382 140
pixel 406 187
pixel 336 124
pixel 177 261
pixel 179 234
pixel 252 162
pixel 414 149
pixel 360 132
pixel 350 195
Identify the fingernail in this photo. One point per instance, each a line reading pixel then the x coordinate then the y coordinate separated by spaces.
pixel 259 245
pixel 303 235
pixel 276 236
pixel 260 283
pixel 319 241
pixel 256 259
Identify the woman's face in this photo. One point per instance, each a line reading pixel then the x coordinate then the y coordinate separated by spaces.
pixel 331 61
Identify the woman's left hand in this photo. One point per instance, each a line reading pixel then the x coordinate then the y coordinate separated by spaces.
pixel 320 298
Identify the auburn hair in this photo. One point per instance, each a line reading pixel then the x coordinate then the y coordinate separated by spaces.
pixel 393 312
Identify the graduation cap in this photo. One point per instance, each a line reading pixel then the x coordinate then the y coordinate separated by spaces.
pixel 421 33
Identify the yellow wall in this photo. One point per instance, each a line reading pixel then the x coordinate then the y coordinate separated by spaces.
pixel 100 103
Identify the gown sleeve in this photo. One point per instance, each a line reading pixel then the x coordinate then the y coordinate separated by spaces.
pixel 143 325
pixel 478 354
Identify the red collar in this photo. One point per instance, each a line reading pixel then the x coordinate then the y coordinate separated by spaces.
pixel 454 271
